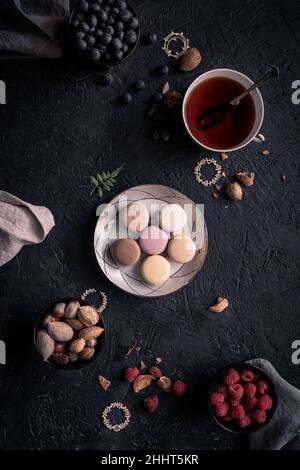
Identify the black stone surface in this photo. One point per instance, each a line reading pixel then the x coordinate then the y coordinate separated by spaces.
pixel 60 126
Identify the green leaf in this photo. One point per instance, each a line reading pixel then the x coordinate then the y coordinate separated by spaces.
pixel 105 186
pixel 109 183
pixel 117 171
pixel 103 174
pixel 99 178
pixel 94 181
pixel 99 191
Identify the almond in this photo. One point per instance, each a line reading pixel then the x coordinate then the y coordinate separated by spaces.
pixel 91 332
pixel 71 310
pixel 190 60
pixel 234 191
pixel 155 372
pixel 219 306
pixel 141 382
pixel 60 331
pixel 88 315
pixel 246 177
pixel 77 345
pixel 75 324
pixel 86 353
pixel 164 383
pixel 59 310
pixel 48 318
pixel 45 344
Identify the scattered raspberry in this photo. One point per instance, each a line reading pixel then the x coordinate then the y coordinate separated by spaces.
pixel 250 403
pixel 231 377
pixel 236 391
pixel 179 388
pixel 259 416
pixel 237 412
pixel 250 390
pixel 221 388
pixel 221 410
pixel 227 418
pixel 262 386
pixel 245 422
pixel 151 403
pixel 265 402
pixel 217 399
pixel 247 375
pixel 131 374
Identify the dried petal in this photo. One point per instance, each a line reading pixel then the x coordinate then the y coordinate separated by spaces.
pixel 104 383
pixel 219 306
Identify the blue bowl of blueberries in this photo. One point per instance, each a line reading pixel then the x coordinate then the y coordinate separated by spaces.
pixel 104 32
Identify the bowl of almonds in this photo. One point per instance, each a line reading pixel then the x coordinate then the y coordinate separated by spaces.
pixel 69 333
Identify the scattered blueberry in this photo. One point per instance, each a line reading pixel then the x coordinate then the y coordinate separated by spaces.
pixel 132 23
pixel 126 98
pixel 120 35
pixel 130 37
pixel 99 33
pixel 106 39
pixel 108 30
pixel 140 85
pixel 82 45
pixel 107 79
pixel 163 70
pixel 107 57
pixel 151 38
pixel 155 135
pixel 116 43
pixel 102 15
pixel 119 26
pixel 92 20
pixel 122 5
pixel 165 136
pixel 94 54
pixel 83 6
pixel 118 54
pixel 90 40
pixel 94 7
pixel 157 97
pixel 110 20
pixel 75 24
pixel 125 47
pixel 84 27
pixel 124 15
pixel 79 34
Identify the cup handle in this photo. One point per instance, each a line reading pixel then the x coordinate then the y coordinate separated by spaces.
pixel 259 138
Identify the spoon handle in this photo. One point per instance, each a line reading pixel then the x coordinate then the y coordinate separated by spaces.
pixel 272 72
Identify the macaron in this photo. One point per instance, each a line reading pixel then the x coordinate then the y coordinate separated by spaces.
pixel 126 251
pixel 136 216
pixel 153 240
pixel 172 218
pixel 155 269
pixel 181 249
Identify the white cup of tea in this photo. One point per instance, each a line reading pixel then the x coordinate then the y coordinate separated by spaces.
pixel 242 123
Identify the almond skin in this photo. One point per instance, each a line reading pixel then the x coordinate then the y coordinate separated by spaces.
pixel 190 60
pixel 60 331
pixel 77 345
pixel 75 324
pixel 91 332
pixel 86 353
pixel 88 315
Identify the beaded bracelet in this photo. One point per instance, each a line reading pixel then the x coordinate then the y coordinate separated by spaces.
pixel 116 427
pixel 215 178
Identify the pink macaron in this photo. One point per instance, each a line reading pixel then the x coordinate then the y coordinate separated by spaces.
pixel 153 240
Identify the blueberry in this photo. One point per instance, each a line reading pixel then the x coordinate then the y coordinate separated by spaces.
pixel 94 54
pixel 106 39
pixel 119 26
pixel 98 33
pixel 116 44
pixel 106 8
pixel 79 34
pixel 83 6
pixel 124 15
pixel 92 30
pixel 118 54
pixel 107 57
pixel 99 1
pixel 155 135
pixel 126 98
pixel 107 79
pixel 94 7
pixel 130 37
pixel 82 45
pixel 92 20
pixel 102 48
pixel 157 97
pixel 114 11
pixel 121 4
pixel 151 38
pixel 75 24
pixel 79 17
pixel 102 25
pixel 140 85
pixel 90 40
pixel 102 16
pixel 84 27
pixel 162 70
pixel 165 136
pixel 125 48
pixel 109 30
pixel 109 2
pixel 132 23
pixel 120 35
pixel 110 20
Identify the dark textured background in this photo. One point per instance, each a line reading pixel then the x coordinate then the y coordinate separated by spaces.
pixel 59 126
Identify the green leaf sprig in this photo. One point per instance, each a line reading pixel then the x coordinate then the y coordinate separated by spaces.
pixel 104 180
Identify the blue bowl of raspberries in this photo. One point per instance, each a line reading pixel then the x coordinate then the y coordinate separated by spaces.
pixel 243 398
pixel 104 32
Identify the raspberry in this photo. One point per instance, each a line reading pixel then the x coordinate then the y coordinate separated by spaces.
pixel 221 410
pixel 237 411
pixel 227 418
pixel 262 386
pixel 259 416
pixel 265 402
pixel 250 403
pixel 247 375
pixel 221 388
pixel 217 399
pixel 151 403
pixel 131 374
pixel 233 402
pixel 231 377
pixel 236 391
pixel 250 390
pixel 246 421
pixel 179 388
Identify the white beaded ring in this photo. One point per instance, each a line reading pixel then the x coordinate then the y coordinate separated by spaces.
pixel 215 178
pixel 116 427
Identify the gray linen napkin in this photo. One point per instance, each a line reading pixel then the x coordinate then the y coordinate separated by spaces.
pixel 286 420
pixel 32 28
pixel 21 224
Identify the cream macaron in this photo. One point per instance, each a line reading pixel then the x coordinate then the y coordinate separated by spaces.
pixel 155 269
